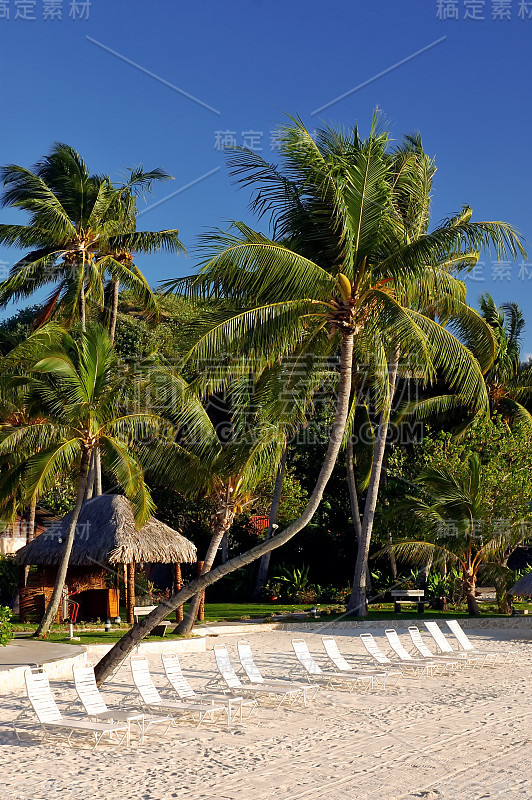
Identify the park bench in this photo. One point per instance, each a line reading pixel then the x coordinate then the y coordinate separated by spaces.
pixel 412 597
pixel 143 611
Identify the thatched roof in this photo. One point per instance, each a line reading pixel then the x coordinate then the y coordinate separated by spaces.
pixel 523 587
pixel 106 534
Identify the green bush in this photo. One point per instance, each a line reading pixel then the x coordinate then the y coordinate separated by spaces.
pixel 6 631
pixel 8 579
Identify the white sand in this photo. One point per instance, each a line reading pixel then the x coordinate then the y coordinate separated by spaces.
pixel 462 737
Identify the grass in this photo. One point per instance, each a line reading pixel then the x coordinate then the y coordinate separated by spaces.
pixel 231 612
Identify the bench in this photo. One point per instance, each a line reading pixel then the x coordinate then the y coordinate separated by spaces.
pixel 143 611
pixel 411 597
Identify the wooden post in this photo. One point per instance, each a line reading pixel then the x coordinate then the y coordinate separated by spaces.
pixel 201 609
pixel 124 577
pixel 130 592
pixel 178 584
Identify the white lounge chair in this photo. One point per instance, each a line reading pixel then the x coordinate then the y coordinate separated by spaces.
pixel 235 705
pixel 490 659
pixel 53 725
pixel 151 700
pixel 342 665
pixel 334 680
pixel 264 691
pixel 444 646
pixel 408 670
pixel 95 706
pixel 295 691
pixel 421 667
pixel 424 650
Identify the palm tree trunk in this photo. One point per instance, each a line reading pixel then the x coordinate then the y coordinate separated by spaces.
pixel 97 472
pixel 358 600
pixel 30 534
pixel 114 310
pixel 53 605
pixel 32 511
pixel 353 501
pixel 82 309
pixel 223 523
pixel 114 657
pixel 264 564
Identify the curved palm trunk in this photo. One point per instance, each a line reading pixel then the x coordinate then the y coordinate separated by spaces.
pixel 358 600
pixel 223 524
pixel 353 501
pixel 264 564
pixel 114 310
pixel 53 605
pixel 114 657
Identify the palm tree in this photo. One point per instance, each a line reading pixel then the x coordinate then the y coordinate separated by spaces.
pixel 458 520
pixel 353 218
pixel 334 199
pixel 84 397
pixel 509 382
pixel 80 227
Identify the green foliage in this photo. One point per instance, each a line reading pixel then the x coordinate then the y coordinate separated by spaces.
pixel 6 630
pixel 8 579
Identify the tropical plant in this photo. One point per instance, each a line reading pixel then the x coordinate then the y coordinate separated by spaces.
pixel 460 528
pixel 509 381
pixel 335 197
pixel 351 251
pixel 84 397
pixel 6 629
pixel 80 227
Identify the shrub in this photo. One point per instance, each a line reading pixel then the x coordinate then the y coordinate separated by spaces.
pixel 8 579
pixel 6 630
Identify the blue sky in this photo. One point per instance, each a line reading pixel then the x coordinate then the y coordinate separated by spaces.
pixel 249 62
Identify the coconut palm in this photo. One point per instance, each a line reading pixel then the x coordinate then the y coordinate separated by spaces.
pixel 356 251
pixel 509 382
pixel 84 396
pixel 80 227
pixel 459 528
pixel 332 201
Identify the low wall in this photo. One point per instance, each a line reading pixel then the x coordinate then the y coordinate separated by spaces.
pixel 472 623
pixel 13 679
pixel 194 645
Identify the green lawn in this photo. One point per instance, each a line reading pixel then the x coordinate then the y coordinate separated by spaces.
pixel 230 612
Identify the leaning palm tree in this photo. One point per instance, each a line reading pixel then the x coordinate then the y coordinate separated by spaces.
pixel 335 195
pixel 355 251
pixel 80 226
pixel 84 396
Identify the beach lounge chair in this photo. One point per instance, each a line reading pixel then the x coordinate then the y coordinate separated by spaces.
pixel 235 705
pixel 52 723
pixel 333 680
pixel 490 659
pixel 445 647
pixel 413 670
pixel 95 706
pixel 298 691
pixel 263 691
pixel 151 700
pixel 342 665
pixel 424 650
pixel 426 668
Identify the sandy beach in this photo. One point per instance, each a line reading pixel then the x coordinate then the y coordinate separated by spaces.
pixel 465 735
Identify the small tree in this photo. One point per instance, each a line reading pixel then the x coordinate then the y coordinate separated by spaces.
pixel 6 630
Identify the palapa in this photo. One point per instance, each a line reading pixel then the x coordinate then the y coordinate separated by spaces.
pixel 106 534
pixel 523 587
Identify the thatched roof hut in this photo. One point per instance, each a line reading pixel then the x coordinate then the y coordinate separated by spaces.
pixel 106 534
pixel 523 587
pixel 106 537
